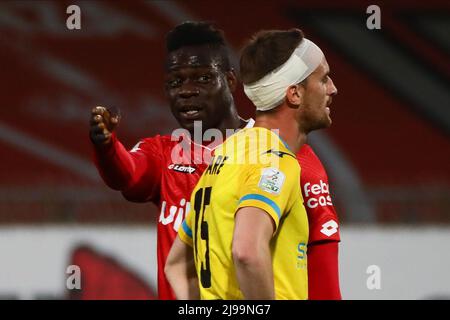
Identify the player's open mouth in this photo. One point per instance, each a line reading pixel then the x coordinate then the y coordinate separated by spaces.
pixel 327 107
pixel 191 112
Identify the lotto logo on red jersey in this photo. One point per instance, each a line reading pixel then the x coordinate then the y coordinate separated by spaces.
pixel 329 228
pixel 181 168
pixel 317 194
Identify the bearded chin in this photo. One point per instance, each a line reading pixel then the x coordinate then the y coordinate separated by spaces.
pixel 322 123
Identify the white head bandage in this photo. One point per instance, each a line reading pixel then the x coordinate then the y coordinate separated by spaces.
pixel 269 92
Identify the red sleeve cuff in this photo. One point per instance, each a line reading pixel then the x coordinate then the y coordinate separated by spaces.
pixel 323 271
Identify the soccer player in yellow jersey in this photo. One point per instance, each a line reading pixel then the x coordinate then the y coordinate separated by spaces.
pixel 247 227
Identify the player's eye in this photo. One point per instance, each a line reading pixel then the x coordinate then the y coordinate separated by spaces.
pixel 173 83
pixel 204 78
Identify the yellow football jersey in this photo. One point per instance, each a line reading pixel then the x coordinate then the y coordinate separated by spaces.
pixel 252 168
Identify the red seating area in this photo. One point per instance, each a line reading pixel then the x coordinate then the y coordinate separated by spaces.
pixel 52 77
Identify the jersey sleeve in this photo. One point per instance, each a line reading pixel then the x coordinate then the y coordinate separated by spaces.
pixel 185 232
pixel 270 188
pixel 322 217
pixel 137 173
pixel 323 271
pixel 325 227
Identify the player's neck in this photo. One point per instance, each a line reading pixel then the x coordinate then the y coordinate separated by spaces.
pixel 286 125
pixel 232 122
pixel 227 126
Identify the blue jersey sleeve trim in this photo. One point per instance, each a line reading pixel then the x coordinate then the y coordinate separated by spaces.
pixel 264 199
pixel 186 229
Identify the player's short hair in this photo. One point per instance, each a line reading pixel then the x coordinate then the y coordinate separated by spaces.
pixel 266 51
pixel 199 33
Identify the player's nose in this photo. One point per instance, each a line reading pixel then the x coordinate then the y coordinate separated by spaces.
pixel 332 90
pixel 188 89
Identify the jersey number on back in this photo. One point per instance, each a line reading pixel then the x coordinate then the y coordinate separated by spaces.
pixel 202 199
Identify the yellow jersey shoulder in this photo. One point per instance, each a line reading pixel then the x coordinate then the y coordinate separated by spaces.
pixel 256 145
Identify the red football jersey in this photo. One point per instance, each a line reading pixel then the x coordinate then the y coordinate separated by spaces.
pixel 323 277
pixel 156 170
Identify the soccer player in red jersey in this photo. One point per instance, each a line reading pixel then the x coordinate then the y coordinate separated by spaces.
pixel 199 86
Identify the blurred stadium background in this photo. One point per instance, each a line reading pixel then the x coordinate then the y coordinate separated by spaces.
pixel 387 153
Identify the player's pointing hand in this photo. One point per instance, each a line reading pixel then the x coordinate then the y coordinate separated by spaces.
pixel 102 124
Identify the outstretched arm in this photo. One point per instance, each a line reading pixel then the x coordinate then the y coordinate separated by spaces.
pixel 180 271
pixel 136 174
pixel 251 253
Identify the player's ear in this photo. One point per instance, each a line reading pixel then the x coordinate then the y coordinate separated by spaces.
pixel 294 95
pixel 231 79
